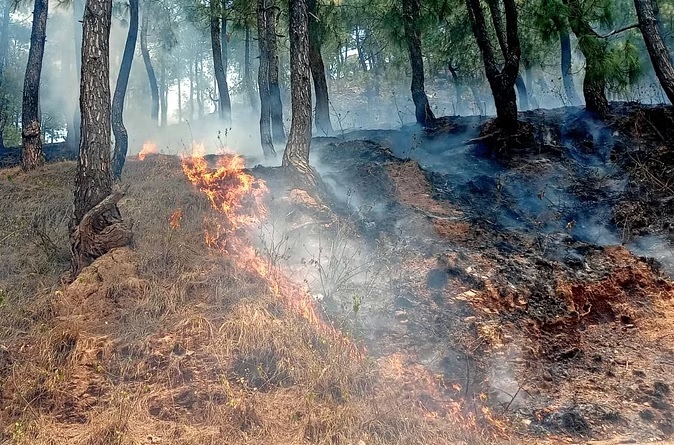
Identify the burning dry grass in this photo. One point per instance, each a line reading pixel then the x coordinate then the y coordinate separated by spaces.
pixel 172 343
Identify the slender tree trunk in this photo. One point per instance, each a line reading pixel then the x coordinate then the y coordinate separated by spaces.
pixel 323 124
pixel 118 128
pixel 522 93
pixel 32 155
pixel 263 81
pixel 567 74
pixel 163 94
pixel 594 84
pixel 278 131
pixel 200 91
pixel 180 102
pixel 191 75
pixel 152 78
pixel 458 88
pixel 4 39
pixel 247 77
pixel 423 111
pixel 96 226
pixel 296 155
pixel 660 57
pixel 73 137
pixel 501 80
pixel 224 105
pixel 359 48
pixel 4 49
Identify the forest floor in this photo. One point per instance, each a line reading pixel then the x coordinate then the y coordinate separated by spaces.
pixel 464 295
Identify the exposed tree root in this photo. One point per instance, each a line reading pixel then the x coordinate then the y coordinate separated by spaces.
pixel 100 231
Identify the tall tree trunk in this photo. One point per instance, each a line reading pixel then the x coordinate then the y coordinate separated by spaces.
pixel 4 38
pixel 423 111
pixel 96 226
pixel 501 80
pixel 191 76
pixel 660 58
pixel 118 128
pixel 151 76
pixel 200 90
pixel 296 155
pixel 32 155
pixel 567 74
pixel 263 81
pixel 4 49
pixel 163 94
pixel 594 84
pixel 278 131
pixel 359 48
pixel 247 77
pixel 522 93
pixel 323 124
pixel 459 88
pixel 73 136
pixel 180 102
pixel 224 106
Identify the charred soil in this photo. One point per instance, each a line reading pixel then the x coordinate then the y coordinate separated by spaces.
pixel 485 296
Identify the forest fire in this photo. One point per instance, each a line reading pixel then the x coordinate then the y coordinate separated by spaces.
pixel 149 148
pixel 239 198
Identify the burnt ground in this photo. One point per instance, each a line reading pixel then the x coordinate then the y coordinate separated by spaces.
pixel 537 284
pixel 524 291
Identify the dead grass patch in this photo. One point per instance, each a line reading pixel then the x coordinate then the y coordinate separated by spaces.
pixel 168 342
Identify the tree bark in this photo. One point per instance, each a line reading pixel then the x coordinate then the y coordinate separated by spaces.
pixel 118 128
pixel 323 124
pixel 32 155
pixel 224 105
pixel 263 82
pixel 96 226
pixel 296 155
pixel 501 80
pixel 73 136
pixel 567 75
pixel 423 111
pixel 277 128
pixel 152 77
pixel 594 84
pixel 660 57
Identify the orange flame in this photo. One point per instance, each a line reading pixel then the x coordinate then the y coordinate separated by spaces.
pixel 239 198
pixel 149 148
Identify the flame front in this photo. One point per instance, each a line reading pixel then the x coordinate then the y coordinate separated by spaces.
pixel 238 198
pixel 149 148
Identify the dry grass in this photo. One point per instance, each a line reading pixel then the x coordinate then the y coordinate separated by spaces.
pixel 169 343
